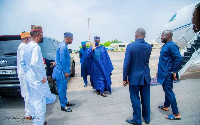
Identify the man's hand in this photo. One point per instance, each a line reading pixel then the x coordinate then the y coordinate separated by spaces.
pixel 93 47
pixel 156 74
pixel 44 80
pixel 53 64
pixel 66 75
pixel 125 82
pixel 174 76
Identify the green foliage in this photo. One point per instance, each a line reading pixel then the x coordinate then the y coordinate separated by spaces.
pixel 116 41
pixel 132 41
pixel 116 48
pixel 88 46
pixel 107 44
pixel 122 49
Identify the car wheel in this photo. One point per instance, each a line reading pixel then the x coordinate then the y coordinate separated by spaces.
pixel 3 95
pixel 73 70
pixel 53 86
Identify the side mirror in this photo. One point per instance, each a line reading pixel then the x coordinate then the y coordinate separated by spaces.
pixel 70 50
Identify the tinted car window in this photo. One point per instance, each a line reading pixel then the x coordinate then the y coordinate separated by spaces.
pixel 9 47
pixel 48 48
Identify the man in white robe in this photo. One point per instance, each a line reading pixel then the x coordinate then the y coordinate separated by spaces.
pixel 25 38
pixel 38 87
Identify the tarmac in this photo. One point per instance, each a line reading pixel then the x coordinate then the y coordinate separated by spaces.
pixel 92 109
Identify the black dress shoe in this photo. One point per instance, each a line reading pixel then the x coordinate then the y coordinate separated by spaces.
pixel 85 85
pixel 147 122
pixel 97 92
pixel 132 122
pixel 66 110
pixel 45 123
pixel 70 104
pixel 103 94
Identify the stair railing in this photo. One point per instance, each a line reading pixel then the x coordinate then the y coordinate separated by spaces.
pixel 188 44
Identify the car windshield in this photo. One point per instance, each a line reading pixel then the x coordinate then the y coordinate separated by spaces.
pixel 48 46
pixel 9 48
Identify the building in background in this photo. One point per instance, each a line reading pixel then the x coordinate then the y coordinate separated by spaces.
pixel 119 46
pixel 109 49
pixel 89 43
pixel 154 44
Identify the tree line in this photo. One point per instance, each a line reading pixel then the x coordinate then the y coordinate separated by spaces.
pixel 106 44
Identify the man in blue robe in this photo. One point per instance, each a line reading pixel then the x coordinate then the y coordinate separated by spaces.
pixel 83 61
pixel 102 67
pixel 61 71
pixel 168 66
pixel 136 73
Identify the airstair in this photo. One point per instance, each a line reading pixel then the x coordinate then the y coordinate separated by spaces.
pixel 191 52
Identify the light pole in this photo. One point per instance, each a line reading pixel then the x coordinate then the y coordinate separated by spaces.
pixel 88 28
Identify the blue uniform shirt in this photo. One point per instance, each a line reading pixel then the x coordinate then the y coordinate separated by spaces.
pixel 63 58
pixel 169 61
pixel 136 63
pixel 83 57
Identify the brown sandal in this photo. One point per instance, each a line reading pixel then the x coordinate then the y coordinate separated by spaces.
pixel 163 108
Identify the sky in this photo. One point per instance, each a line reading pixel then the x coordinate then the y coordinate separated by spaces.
pixel 109 19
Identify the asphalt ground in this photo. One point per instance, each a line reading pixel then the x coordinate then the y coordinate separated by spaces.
pixel 92 109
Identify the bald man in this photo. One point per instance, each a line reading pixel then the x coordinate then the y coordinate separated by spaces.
pixel 169 63
pixel 136 72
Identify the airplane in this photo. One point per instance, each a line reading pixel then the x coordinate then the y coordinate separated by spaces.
pixel 185 25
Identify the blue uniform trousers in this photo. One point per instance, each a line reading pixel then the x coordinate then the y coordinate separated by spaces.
pixel 85 80
pixel 170 98
pixel 62 90
pixel 91 80
pixel 84 74
pixel 144 91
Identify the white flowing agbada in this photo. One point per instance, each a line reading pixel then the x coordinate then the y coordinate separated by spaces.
pixel 22 79
pixel 35 71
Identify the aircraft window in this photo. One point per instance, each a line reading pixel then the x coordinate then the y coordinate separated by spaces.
pixel 173 18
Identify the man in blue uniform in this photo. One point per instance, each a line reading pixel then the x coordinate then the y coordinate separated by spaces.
pixel 101 67
pixel 169 64
pixel 83 61
pixel 61 71
pixel 136 73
